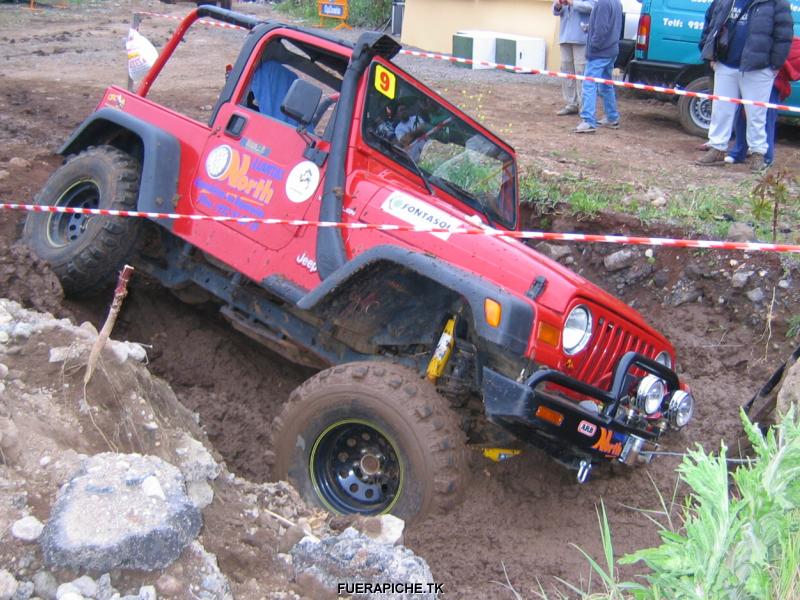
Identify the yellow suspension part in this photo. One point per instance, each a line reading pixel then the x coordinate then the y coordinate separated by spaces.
pixel 499 454
pixel 443 351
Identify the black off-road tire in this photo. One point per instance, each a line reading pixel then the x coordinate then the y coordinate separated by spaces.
pixel 393 401
pixel 86 252
pixel 694 113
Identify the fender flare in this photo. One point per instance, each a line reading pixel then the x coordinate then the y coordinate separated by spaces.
pixel 160 164
pixel 514 331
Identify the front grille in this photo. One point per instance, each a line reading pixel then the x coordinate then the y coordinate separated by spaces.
pixel 610 341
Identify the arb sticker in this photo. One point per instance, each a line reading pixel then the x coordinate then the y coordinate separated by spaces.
pixel 385 82
pixel 302 181
pixel 586 428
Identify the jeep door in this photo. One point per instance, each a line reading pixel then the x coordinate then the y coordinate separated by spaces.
pixel 253 164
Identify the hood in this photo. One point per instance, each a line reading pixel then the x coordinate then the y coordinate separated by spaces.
pixel 507 262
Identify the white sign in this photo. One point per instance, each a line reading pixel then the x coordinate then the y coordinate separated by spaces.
pixel 302 182
pixel 218 161
pixel 419 213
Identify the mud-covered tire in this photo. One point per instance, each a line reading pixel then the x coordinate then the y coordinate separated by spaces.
pixel 695 113
pixel 84 251
pixel 403 411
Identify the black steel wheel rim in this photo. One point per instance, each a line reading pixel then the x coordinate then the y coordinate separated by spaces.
pixel 355 468
pixel 67 228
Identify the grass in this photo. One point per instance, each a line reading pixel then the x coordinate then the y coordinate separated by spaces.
pixel 739 536
pixel 705 209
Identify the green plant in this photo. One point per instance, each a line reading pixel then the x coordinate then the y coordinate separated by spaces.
pixel 740 542
pixel 771 193
pixel 794 326
pixel 740 537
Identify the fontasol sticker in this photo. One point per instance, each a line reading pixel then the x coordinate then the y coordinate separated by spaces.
pixel 419 213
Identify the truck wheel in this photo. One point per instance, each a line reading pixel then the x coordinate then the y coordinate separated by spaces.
pixel 371 438
pixel 695 113
pixel 86 251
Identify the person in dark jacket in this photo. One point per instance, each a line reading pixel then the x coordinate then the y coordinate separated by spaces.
pixel 602 47
pixel 746 43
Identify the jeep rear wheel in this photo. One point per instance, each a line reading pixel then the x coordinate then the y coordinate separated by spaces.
pixel 371 438
pixel 86 251
pixel 695 113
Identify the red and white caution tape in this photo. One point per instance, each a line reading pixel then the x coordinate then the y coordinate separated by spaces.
pixel 208 22
pixel 484 63
pixel 623 84
pixel 526 235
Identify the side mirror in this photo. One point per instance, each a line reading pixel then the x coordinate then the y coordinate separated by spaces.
pixel 301 101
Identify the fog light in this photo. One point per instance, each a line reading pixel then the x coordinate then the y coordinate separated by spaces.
pixel 681 408
pixel 650 393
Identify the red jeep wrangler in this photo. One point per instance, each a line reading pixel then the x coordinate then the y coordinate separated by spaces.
pixel 426 340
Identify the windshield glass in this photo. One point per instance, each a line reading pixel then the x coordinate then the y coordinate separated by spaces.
pixel 407 125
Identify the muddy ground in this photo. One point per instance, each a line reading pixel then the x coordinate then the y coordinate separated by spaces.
pixel 525 513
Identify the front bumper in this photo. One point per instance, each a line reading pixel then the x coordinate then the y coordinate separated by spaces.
pixel 540 411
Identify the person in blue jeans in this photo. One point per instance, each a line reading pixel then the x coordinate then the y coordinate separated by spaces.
pixel 602 47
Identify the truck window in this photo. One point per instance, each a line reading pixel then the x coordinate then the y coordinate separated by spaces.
pixel 282 62
pixel 407 124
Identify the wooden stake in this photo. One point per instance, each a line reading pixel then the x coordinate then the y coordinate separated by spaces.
pixel 119 295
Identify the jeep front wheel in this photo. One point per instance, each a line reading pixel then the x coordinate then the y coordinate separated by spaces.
pixel 371 438
pixel 86 251
pixel 695 113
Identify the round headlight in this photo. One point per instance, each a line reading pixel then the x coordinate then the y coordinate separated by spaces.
pixel 681 407
pixel 650 393
pixel 664 359
pixel 577 330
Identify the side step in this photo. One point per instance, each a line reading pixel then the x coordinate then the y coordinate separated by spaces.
pixel 275 341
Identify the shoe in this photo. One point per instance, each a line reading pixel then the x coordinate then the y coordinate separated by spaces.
pixel 713 157
pixel 729 159
pixel 757 163
pixel 567 110
pixel 584 127
pixel 608 124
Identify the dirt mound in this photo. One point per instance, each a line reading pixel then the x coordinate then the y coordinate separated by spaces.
pixel 50 422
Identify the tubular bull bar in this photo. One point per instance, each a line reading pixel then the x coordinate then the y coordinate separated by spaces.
pixel 575 434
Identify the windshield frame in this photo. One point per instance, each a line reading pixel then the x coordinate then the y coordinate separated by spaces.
pixel 507 172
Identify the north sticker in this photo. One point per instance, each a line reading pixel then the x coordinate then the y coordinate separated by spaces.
pixel 586 428
pixel 419 214
pixel 302 182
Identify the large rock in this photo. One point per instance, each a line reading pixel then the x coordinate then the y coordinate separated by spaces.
pixel 789 393
pixel 121 511
pixel 350 558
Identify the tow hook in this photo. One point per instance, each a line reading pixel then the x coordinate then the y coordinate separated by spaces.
pixel 584 470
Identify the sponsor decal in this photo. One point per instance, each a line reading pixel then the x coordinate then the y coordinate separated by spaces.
pixel 232 169
pixel 586 428
pixel 306 261
pixel 607 444
pixel 114 100
pixel 255 147
pixel 419 213
pixel 302 182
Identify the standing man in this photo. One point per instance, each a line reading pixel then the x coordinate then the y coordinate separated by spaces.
pixel 602 47
pixel 572 43
pixel 746 42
